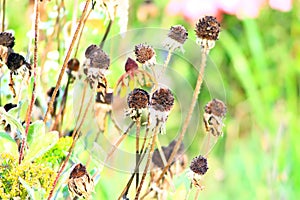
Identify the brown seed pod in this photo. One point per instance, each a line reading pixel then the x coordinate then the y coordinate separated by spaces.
pixel 138 99
pixel 7 39
pixel 73 64
pixel 178 33
pixel 144 54
pixel 97 57
pixel 80 184
pixel 15 61
pixel 162 100
pixel 208 28
pixel 216 107
pixel 199 165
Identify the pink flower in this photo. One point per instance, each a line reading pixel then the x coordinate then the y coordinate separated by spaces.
pixel 281 5
pixel 192 10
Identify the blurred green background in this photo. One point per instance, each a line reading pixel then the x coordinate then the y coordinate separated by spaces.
pixel 259 61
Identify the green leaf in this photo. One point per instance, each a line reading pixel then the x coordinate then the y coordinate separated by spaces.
pixel 13 121
pixel 35 130
pixel 33 192
pixel 8 145
pixel 41 144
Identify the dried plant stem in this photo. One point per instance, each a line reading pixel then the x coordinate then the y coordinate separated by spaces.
pixel 147 163
pixel 137 149
pixel 167 61
pixel 126 189
pixel 106 33
pixel 197 194
pixel 30 107
pixel 75 138
pixel 189 114
pixel 188 192
pixel 62 71
pixel 3 15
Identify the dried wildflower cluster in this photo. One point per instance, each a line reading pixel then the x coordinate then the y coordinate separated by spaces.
pixel 207 31
pixel 199 165
pixel 80 183
pixel 214 113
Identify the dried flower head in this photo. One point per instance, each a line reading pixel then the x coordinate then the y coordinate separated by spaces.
pixel 80 183
pixel 137 100
pixel 161 103
pixel 176 38
pixel 162 100
pixel 199 165
pixel 207 31
pixel 145 54
pixel 15 61
pixel 214 113
pixel 73 64
pixel 95 65
pixel 7 39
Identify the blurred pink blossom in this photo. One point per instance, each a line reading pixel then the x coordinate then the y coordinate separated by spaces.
pixel 191 10
pixel 282 5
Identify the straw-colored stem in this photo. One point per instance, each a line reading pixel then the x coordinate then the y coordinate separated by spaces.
pixel 62 71
pixel 137 149
pixel 189 114
pixel 147 163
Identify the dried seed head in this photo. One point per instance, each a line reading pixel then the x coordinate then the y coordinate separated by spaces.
pixel 216 107
pixel 138 99
pixel 208 28
pixel 7 39
pixel 156 158
pixel 80 184
pixel 78 171
pixel 73 64
pixel 144 54
pixel 97 58
pixel 162 100
pixel 15 61
pixel 9 106
pixel 199 165
pixel 130 65
pixel 178 33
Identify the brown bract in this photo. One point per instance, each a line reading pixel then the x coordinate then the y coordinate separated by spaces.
pixel 208 28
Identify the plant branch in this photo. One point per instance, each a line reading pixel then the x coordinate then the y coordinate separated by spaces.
pixel 189 114
pixel 62 71
pixel 29 110
pixel 3 15
pixel 106 33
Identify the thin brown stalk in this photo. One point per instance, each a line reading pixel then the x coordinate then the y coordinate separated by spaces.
pixel 189 114
pixel 62 71
pixel 147 163
pixel 137 149
pixel 106 33
pixel 29 110
pixel 75 137
pixel 126 189
pixel 3 15
pixel 115 146
pixel 197 194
